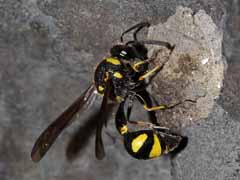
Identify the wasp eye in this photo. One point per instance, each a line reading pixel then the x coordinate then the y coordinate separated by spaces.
pixel 116 50
pixel 123 53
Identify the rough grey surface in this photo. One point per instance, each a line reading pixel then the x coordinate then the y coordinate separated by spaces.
pixel 214 144
pixel 48 50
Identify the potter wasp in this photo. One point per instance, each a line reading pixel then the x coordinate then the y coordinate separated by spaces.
pixel 119 77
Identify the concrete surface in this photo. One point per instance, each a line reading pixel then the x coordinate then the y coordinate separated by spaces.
pixel 48 50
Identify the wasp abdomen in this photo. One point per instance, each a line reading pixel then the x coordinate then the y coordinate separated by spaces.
pixel 144 144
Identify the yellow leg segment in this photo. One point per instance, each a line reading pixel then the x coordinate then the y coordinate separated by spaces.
pixel 148 125
pixel 149 73
pixel 136 65
pixel 160 107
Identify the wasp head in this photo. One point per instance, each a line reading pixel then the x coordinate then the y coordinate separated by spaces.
pixel 130 51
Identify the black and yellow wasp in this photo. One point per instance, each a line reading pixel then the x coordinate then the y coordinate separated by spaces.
pixel 119 77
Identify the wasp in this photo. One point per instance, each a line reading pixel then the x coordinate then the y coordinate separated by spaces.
pixel 119 77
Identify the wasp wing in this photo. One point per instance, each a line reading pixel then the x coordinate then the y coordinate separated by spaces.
pixel 171 140
pixel 103 113
pixel 49 135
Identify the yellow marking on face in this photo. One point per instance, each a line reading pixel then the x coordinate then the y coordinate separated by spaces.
pixel 123 130
pixel 118 75
pixel 100 88
pixel 160 107
pixel 156 148
pixel 138 142
pixel 113 61
pixel 136 65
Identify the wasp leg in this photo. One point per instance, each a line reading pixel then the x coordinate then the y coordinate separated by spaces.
pixel 120 119
pixel 158 43
pixel 140 65
pixel 139 26
pixel 150 125
pixel 145 99
pixel 150 73
pixel 121 122
pixel 159 107
pixel 154 42
pixel 164 107
pixel 136 65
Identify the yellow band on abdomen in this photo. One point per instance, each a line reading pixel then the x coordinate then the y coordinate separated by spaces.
pixel 138 142
pixel 156 150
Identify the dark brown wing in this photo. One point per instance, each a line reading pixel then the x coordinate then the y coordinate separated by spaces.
pixel 103 113
pixel 170 139
pixel 49 135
